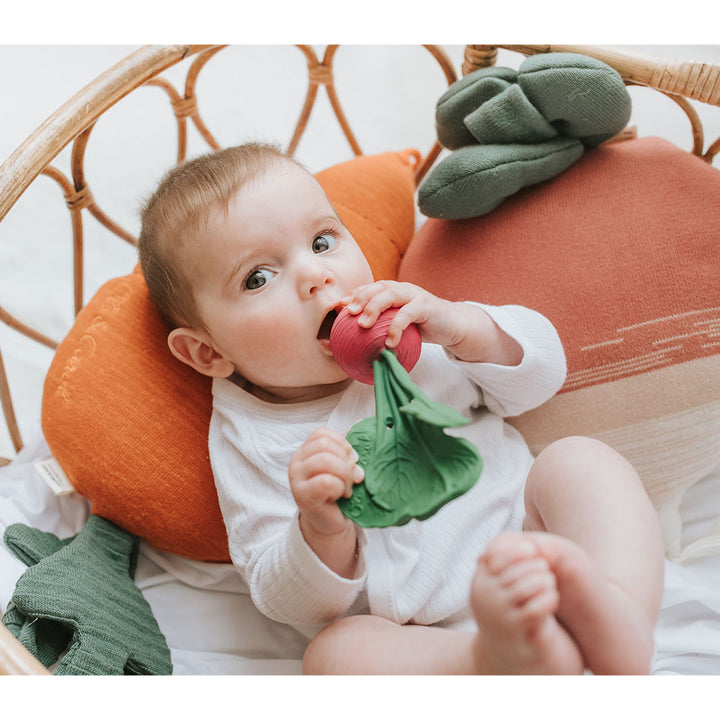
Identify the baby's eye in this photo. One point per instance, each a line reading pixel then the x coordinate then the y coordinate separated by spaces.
pixel 257 278
pixel 323 243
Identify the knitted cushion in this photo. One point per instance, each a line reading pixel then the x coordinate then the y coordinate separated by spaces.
pixel 621 254
pixel 475 179
pixel 129 423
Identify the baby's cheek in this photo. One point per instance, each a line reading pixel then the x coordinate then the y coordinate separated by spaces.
pixel 359 272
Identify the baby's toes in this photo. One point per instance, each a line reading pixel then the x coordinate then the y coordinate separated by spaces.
pixel 534 599
pixel 507 549
pixel 517 571
pixel 536 582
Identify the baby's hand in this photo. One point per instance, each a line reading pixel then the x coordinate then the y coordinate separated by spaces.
pixel 322 470
pixel 439 320
pixel 464 329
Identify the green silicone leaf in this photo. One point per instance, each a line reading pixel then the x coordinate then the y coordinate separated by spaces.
pixel 420 405
pixel 412 467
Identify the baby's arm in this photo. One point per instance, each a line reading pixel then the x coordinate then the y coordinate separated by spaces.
pixel 464 329
pixel 322 470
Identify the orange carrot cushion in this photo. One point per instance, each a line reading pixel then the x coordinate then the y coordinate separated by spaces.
pixel 621 254
pixel 128 422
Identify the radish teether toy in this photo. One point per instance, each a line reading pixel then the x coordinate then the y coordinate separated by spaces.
pixel 412 467
pixel 356 348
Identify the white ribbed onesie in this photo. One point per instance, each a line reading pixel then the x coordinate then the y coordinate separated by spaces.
pixel 421 571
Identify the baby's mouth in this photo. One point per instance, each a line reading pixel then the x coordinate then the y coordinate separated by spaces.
pixel 326 326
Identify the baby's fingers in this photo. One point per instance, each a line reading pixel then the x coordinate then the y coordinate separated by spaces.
pixel 404 317
pixel 345 469
pixel 325 440
pixel 368 301
pixel 319 490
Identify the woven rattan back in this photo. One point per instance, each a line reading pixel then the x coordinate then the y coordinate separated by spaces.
pixel 71 126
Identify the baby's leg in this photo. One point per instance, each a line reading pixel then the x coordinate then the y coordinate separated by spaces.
pixel 583 589
pixel 514 597
pixel 369 645
pixel 599 533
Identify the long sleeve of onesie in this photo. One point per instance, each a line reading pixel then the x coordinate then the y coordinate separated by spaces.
pixel 511 391
pixel 406 572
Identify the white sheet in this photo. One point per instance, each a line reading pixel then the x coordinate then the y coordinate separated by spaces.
pixel 212 628
pixel 688 633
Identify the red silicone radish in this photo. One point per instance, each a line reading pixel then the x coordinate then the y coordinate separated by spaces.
pixel 355 348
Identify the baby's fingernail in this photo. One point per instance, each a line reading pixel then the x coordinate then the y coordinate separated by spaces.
pixel 364 321
pixel 359 474
pixel 353 307
pixel 354 457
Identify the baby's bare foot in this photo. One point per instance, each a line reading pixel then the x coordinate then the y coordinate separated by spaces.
pixel 514 597
pixel 612 629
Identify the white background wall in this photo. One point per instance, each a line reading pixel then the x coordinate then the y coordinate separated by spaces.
pixel 245 92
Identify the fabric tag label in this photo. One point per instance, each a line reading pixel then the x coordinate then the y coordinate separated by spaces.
pixel 54 476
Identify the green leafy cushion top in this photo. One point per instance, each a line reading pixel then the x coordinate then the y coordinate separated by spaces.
pixel 511 129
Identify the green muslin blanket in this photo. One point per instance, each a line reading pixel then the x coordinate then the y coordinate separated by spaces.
pixel 77 604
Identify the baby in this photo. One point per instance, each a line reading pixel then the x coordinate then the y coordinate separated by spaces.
pixel 552 565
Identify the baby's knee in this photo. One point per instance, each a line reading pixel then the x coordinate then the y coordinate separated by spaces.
pixel 575 447
pixel 333 650
pixel 576 455
pixel 575 463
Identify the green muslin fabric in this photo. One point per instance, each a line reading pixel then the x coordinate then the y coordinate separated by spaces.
pixel 77 604
pixel 412 467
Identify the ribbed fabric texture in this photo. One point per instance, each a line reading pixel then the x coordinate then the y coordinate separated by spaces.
pixel 78 598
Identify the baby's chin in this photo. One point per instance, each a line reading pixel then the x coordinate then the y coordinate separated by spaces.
pixel 325 381
pixel 300 394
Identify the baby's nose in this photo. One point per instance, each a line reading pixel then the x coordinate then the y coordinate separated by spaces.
pixel 313 278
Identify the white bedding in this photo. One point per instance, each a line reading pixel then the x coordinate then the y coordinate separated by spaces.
pixel 688 633
pixel 212 628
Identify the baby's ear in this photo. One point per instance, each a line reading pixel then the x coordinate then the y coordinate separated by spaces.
pixel 193 348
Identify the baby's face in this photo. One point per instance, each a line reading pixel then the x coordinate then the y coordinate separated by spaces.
pixel 266 276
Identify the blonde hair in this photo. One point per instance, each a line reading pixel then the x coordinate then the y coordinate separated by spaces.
pixel 175 212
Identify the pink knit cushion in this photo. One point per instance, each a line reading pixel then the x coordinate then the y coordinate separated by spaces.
pixel 621 253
